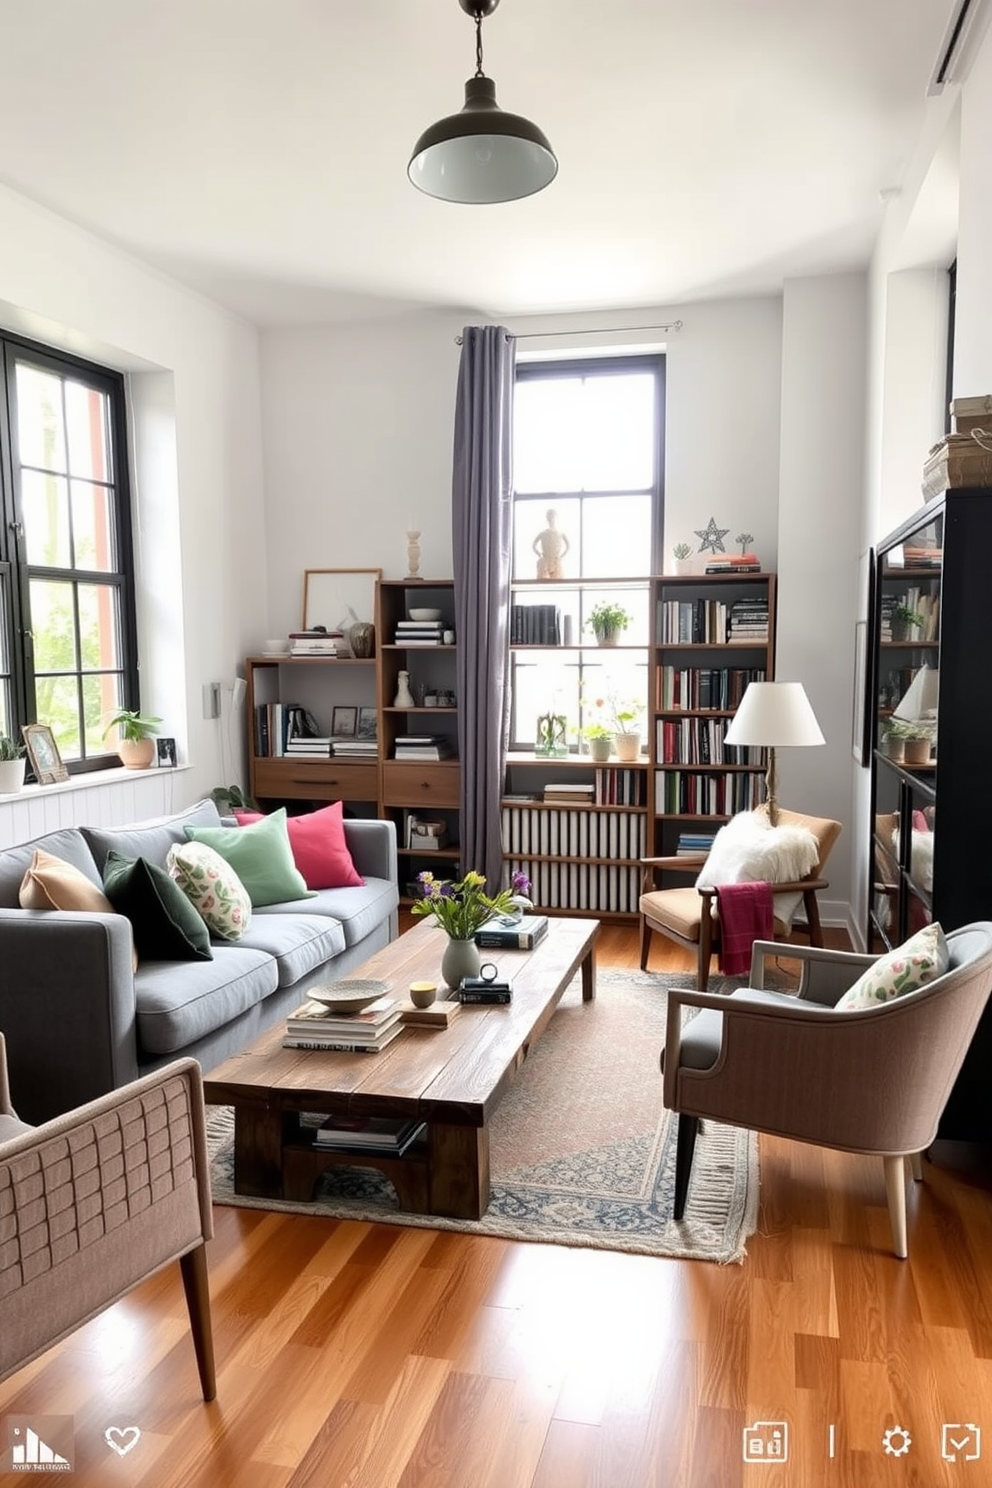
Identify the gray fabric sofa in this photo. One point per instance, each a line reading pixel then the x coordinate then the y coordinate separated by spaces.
pixel 80 1022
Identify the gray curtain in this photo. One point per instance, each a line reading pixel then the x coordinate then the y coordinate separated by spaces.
pixel 481 522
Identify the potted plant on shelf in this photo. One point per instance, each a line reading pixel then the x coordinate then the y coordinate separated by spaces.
pixel 11 766
pixel 136 745
pixel 608 621
pixel 906 623
pixel 600 740
pixel 683 558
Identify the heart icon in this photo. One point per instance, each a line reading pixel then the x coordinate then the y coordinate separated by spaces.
pixel 121 1438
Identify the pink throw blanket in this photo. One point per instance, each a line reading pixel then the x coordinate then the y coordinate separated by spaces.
pixel 745 916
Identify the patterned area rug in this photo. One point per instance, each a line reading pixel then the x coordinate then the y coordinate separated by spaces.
pixel 582 1150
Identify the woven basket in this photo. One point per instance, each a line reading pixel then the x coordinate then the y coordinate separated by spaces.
pixel 959 460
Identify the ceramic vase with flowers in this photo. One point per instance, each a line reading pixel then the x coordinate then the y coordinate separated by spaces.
pixel 461 909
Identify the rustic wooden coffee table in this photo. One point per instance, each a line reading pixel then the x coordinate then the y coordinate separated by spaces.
pixel 451 1078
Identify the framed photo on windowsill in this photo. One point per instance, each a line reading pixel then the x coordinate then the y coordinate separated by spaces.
pixel 43 752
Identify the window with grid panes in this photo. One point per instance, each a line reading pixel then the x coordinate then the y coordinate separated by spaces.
pixel 588 446
pixel 67 649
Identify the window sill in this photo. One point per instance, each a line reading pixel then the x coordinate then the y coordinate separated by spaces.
pixel 89 781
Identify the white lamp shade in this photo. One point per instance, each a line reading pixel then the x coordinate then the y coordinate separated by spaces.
pixel 773 715
pixel 921 695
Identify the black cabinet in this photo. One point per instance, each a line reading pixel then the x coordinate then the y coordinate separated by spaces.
pixel 931 806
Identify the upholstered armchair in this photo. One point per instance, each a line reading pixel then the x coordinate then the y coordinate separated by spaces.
pixel 873 1079
pixel 97 1200
pixel 688 915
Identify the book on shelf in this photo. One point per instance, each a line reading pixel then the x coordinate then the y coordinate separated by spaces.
pixel 358 748
pixel 368 1133
pixel 522 935
pixel 317 1017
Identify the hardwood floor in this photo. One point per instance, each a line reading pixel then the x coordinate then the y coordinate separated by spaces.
pixel 372 1356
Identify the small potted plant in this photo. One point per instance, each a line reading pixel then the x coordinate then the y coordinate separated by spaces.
pixel 683 558
pixel 136 745
pixel 906 623
pixel 11 766
pixel 600 740
pixel 608 621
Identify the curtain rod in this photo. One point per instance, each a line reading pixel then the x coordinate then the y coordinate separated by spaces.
pixel 670 325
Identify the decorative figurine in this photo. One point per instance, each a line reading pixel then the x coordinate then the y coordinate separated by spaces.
pixel 550 547
pixel 404 697
pixel 413 554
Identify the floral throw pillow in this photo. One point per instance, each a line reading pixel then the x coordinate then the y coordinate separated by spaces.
pixel 919 960
pixel 212 887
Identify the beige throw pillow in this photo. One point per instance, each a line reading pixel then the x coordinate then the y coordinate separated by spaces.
pixel 52 883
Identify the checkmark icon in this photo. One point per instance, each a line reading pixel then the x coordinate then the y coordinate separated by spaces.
pixel 960 1441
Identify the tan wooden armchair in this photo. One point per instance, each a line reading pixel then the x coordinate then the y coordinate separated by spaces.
pixel 870 1081
pixel 97 1200
pixel 687 915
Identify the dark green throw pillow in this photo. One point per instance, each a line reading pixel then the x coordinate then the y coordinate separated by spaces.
pixel 166 926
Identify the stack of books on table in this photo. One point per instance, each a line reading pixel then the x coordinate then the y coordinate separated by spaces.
pixel 386 1136
pixel 354 748
pixel 520 935
pixel 422 747
pixel 315 1026
pixel 317 643
pixel 419 632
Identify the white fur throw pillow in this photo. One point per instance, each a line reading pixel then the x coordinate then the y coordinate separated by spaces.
pixel 750 850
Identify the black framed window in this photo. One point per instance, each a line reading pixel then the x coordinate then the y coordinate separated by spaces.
pixel 68 648
pixel 588 458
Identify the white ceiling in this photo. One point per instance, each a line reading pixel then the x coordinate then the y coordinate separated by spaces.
pixel 257 149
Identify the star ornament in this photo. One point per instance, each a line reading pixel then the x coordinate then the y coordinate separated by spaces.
pixel 712 537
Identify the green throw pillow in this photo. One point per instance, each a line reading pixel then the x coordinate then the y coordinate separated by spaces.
pixel 166 926
pixel 261 856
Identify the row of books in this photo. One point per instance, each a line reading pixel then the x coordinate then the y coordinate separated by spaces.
pixel 422 747
pixel 691 844
pixel 696 622
pixel 621 788
pixel 577 790
pixel 315 1026
pixel 287 728
pixel 573 832
pixel 384 1136
pixel 699 741
pixel 748 622
pixel 535 625
pixel 685 793
pixel 720 688
pixel 601 888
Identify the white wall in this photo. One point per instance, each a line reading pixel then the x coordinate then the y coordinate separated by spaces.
pixel 973 330
pixel 820 492
pixel 198 477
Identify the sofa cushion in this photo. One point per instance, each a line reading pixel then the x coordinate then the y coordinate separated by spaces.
pixel 166 926
pixel 51 883
pixel 299 943
pixel 149 840
pixel 261 857
pixel 69 845
pixel 919 960
pixel 359 911
pixel 319 848
pixel 174 1011
pixel 212 887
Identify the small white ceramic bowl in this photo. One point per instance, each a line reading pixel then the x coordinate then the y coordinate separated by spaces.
pixel 422 614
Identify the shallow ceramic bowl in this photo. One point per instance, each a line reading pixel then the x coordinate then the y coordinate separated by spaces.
pixel 350 995
pixel 425 614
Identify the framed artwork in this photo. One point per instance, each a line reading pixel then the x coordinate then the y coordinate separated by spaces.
pixel 43 752
pixel 338 598
pixel 344 722
pixel 166 750
pixel 368 723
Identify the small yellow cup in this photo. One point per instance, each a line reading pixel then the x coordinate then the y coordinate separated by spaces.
pixel 422 994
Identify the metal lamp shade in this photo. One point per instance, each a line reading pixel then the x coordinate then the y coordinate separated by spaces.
pixel 482 154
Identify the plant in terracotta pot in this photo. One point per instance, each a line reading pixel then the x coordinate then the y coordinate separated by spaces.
pixel 11 766
pixel 608 621
pixel 136 744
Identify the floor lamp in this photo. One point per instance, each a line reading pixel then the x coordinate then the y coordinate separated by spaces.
pixel 774 715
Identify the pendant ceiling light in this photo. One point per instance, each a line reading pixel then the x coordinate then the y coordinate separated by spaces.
pixel 482 154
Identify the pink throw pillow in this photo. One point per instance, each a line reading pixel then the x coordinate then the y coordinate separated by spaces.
pixel 320 851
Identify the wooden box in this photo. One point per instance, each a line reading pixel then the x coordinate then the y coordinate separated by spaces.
pixel 958 460
pixel 971 413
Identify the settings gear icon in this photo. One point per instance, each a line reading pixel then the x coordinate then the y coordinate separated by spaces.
pixel 897 1441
